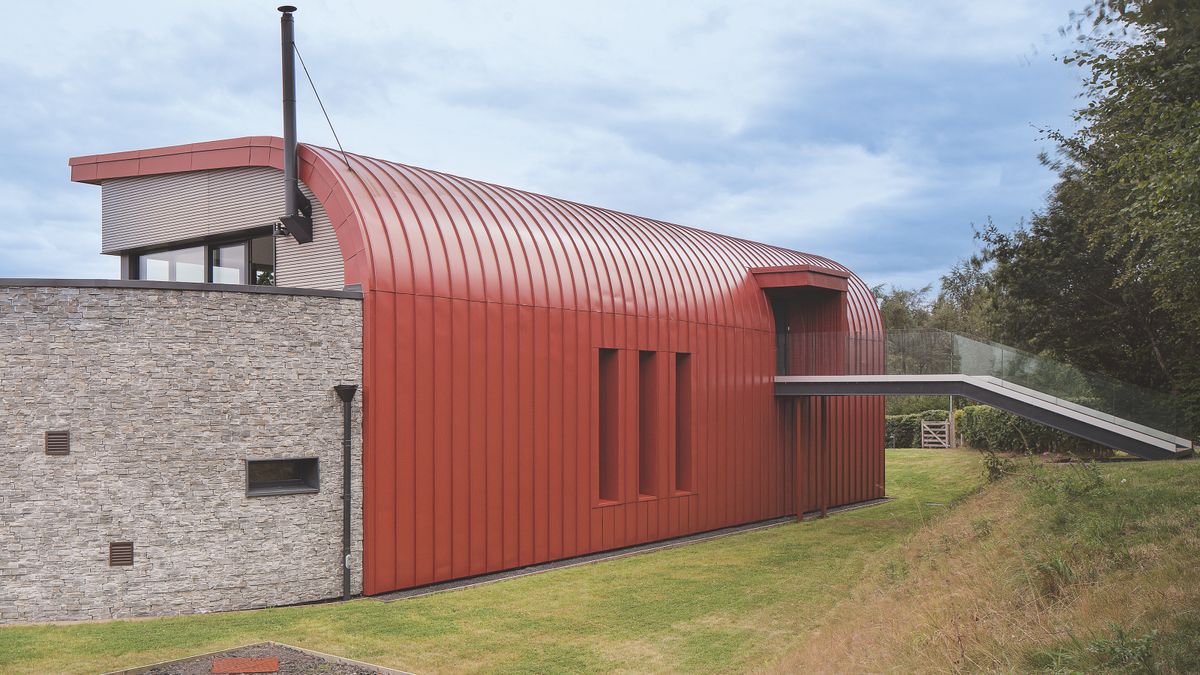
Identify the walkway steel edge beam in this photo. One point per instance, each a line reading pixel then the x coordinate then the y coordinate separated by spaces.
pixel 1083 426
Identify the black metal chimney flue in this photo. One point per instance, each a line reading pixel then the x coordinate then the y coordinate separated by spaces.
pixel 296 219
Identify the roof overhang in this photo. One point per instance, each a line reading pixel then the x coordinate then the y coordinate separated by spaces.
pixel 796 276
pixel 223 154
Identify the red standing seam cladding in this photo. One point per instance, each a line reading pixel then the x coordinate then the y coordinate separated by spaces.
pixel 484 312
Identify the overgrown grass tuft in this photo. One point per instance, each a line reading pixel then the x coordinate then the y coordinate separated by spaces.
pixel 1059 568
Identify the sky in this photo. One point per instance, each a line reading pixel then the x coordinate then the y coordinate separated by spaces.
pixel 876 133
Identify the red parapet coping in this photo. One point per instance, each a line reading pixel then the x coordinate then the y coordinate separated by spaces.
pixel 829 271
pixel 219 154
pixel 793 276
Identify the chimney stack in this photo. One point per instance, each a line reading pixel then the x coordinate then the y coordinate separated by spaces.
pixel 297 217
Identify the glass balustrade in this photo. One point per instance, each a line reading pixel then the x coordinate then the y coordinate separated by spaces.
pixel 935 352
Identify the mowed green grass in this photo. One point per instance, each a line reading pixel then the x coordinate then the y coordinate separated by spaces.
pixel 739 602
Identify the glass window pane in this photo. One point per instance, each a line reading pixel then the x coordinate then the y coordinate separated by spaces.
pixel 262 261
pixel 185 264
pixel 188 265
pixel 229 264
pixel 154 267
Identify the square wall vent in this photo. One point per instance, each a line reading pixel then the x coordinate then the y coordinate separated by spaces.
pixel 58 442
pixel 120 554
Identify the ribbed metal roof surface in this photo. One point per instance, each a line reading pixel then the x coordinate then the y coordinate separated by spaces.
pixel 430 233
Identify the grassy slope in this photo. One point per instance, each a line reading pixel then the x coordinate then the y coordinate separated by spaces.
pixel 729 604
pixel 1058 568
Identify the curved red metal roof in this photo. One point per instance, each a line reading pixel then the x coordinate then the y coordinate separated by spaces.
pixel 410 230
pixel 484 312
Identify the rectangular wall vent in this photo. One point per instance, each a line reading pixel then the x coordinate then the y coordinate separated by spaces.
pixel 58 442
pixel 120 554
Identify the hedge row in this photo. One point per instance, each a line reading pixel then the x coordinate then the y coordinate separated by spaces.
pixel 904 431
pixel 987 428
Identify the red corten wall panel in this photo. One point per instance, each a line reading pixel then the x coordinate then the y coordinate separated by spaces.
pixel 485 309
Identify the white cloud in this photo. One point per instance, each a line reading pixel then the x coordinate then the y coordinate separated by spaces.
pixel 65 241
pixel 814 192
pixel 655 108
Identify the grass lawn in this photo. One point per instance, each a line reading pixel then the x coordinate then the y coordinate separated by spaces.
pixel 731 603
pixel 1054 568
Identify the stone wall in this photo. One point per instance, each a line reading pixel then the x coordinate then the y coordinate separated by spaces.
pixel 166 393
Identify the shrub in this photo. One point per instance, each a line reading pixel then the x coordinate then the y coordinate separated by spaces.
pixel 1123 651
pixel 904 431
pixel 910 405
pixel 986 428
pixel 1081 479
pixel 996 466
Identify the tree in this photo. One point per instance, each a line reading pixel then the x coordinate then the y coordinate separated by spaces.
pixel 964 305
pixel 1107 274
pixel 903 308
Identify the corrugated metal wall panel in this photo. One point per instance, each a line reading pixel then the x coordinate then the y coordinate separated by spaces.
pixel 564 281
pixel 152 210
pixel 149 211
pixel 316 264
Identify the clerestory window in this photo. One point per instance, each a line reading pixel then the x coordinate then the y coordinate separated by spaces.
pixel 244 261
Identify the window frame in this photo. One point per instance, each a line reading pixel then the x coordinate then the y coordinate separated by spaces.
pixel 246 237
pixel 300 487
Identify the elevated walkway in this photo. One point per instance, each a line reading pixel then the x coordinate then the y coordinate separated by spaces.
pixel 1105 411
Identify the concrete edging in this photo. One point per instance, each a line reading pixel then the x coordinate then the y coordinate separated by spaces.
pixel 380 670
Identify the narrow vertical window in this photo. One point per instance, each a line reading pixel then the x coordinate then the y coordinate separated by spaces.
pixel 648 424
pixel 684 469
pixel 609 401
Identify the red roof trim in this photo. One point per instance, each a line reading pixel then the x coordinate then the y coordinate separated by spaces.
pixel 792 276
pixel 175 159
pixel 800 268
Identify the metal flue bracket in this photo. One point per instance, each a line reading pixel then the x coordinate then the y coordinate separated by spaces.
pixel 299 226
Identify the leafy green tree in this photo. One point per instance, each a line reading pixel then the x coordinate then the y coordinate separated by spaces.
pixel 964 304
pixel 1107 274
pixel 903 308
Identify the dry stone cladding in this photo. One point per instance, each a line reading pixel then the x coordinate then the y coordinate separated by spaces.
pixel 166 393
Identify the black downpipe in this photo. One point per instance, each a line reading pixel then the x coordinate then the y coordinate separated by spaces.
pixel 346 393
